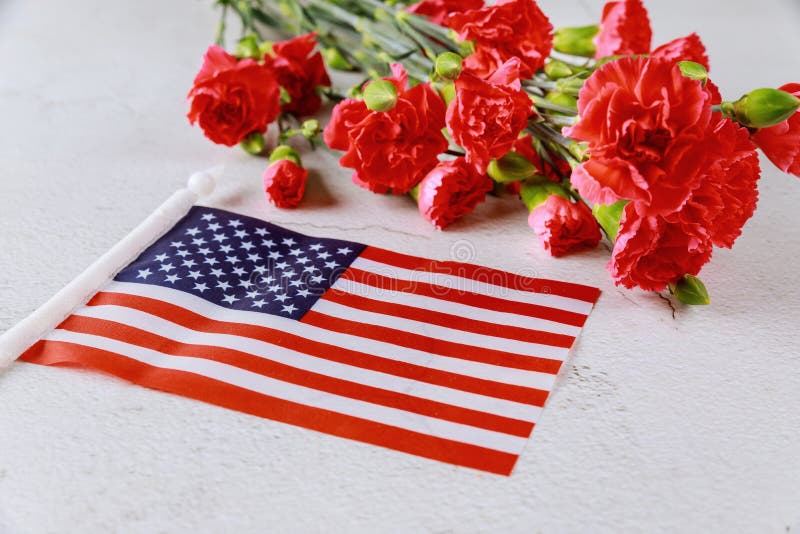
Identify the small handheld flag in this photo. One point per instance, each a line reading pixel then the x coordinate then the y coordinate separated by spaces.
pixel 440 359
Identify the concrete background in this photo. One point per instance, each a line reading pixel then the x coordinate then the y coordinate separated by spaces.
pixel 661 423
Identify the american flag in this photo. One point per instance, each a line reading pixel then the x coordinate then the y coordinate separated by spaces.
pixel 441 359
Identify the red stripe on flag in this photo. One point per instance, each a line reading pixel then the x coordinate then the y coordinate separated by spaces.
pixel 189 319
pixel 427 344
pixel 464 297
pixel 449 321
pixel 265 367
pixel 483 274
pixel 235 398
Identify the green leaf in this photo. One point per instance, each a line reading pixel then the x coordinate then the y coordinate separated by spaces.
pixel 693 71
pixel 609 216
pixel 690 290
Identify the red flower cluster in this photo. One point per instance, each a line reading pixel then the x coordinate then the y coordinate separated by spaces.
pixel 689 175
pixel 508 29
pixel 668 167
pixel 232 98
pixel 390 150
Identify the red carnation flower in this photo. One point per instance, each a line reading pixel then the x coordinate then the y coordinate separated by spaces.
pixel 450 191
pixel 505 30
pixel 345 116
pixel 285 183
pixel 232 98
pixel 781 143
pixel 487 115
pixel 689 48
pixel 727 194
pixel 644 123
pixel 564 226
pixel 300 71
pixel 651 253
pixel 393 150
pixel 438 10
pixel 624 30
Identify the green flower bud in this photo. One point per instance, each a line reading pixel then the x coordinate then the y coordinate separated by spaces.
pixel 380 95
pixel 247 47
pixel 690 290
pixel 555 69
pixel 562 99
pixel 310 128
pixel 693 71
pixel 284 152
pixel 335 60
pixel 513 167
pixel 577 41
pixel 536 194
pixel 253 144
pixel 609 217
pixel 762 108
pixel 448 65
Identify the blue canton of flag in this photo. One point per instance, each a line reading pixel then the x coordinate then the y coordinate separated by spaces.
pixel 243 263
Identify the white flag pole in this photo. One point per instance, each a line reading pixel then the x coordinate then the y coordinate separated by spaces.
pixel 24 334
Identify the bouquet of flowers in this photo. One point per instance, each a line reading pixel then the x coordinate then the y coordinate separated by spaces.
pixel 593 128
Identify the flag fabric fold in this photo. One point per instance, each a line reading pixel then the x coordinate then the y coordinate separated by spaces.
pixel 440 359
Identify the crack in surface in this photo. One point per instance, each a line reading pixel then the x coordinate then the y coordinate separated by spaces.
pixel 626 297
pixel 353 228
pixel 669 303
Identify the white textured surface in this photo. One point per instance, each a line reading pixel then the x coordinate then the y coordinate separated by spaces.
pixel 660 424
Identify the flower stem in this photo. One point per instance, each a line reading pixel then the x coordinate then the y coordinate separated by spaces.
pixel 543 103
pixel 220 37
